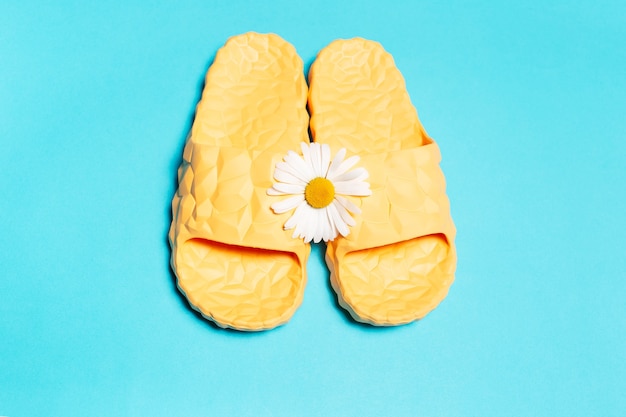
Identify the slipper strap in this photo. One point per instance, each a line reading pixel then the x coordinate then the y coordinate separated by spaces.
pixel 408 200
pixel 227 189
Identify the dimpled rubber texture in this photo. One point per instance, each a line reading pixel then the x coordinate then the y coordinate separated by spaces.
pixel 232 258
pixel 398 261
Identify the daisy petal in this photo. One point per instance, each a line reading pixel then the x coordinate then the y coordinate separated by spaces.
pixel 329 228
pixel 325 160
pixel 358 174
pixel 334 165
pixel 299 166
pixel 345 216
pixel 312 148
pixel 331 223
pixel 346 165
pixel 296 218
pixel 360 189
pixel 286 168
pixel 322 225
pixel 287 204
pixel 306 153
pixel 272 191
pixel 339 224
pixel 310 224
pixel 298 221
pixel 288 188
pixel 321 170
pixel 315 159
pixel 287 176
pixel 347 204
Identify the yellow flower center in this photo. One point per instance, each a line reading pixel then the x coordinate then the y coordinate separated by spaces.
pixel 319 192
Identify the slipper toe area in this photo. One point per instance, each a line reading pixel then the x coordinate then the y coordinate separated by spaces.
pixel 239 287
pixel 398 283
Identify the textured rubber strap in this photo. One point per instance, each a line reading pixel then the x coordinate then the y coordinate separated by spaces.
pixel 229 186
pixel 408 200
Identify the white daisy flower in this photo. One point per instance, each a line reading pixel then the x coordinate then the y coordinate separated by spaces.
pixel 317 188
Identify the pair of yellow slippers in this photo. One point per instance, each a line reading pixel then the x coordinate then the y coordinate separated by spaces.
pixel 254 191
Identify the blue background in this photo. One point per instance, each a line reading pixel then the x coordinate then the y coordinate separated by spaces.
pixel 527 101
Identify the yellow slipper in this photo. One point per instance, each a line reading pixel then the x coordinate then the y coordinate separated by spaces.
pixel 398 261
pixel 232 258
